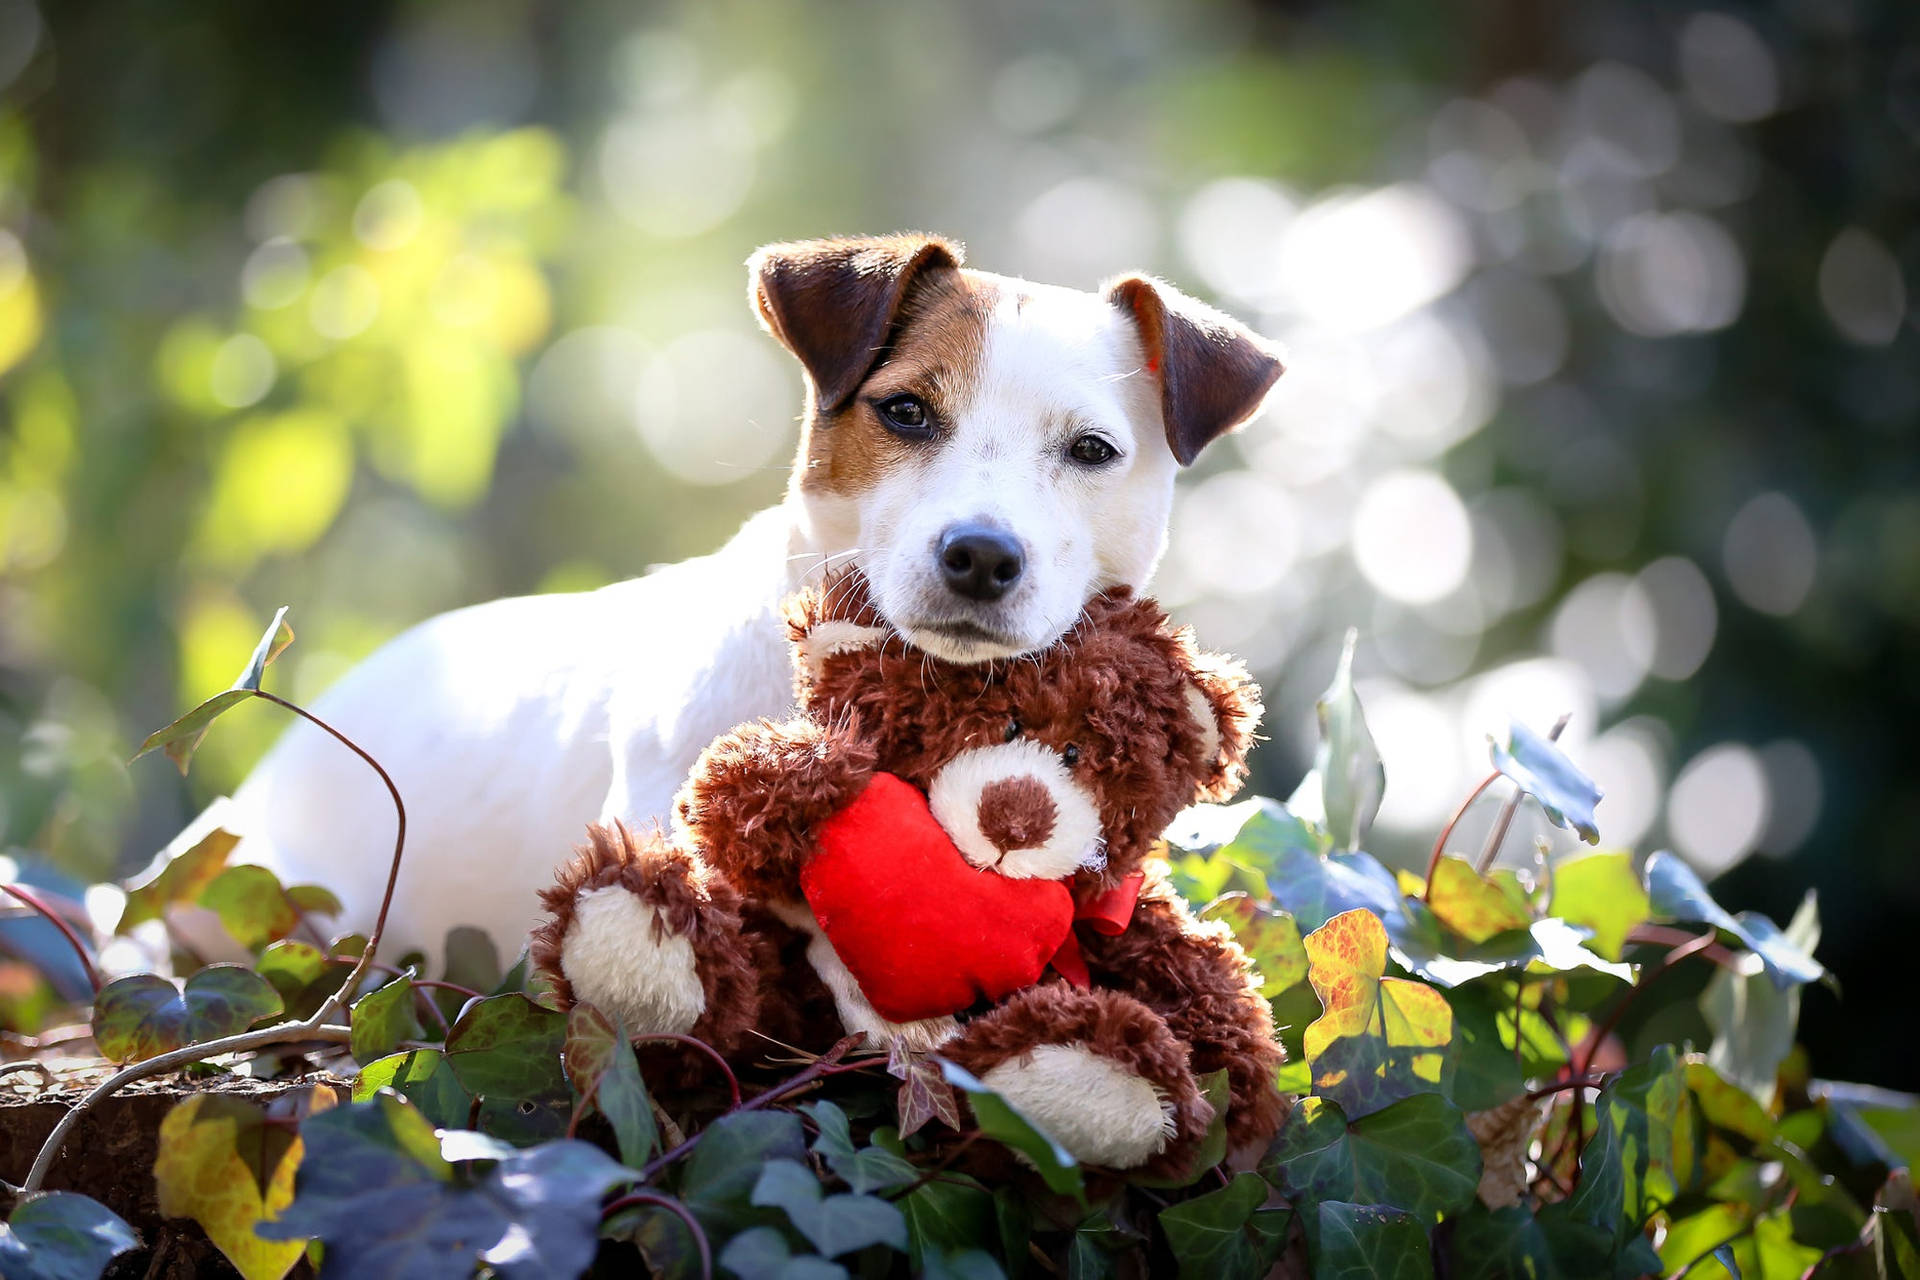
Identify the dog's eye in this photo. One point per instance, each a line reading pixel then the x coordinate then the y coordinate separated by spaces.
pixel 1092 451
pixel 1071 754
pixel 906 415
pixel 1013 730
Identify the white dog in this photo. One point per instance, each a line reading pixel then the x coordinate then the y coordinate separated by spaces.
pixel 991 452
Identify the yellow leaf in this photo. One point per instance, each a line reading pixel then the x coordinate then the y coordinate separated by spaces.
pixel 1471 905
pixel 227 1165
pixel 1378 1039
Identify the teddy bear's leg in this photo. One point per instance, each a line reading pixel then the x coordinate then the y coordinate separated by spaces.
pixel 1199 980
pixel 643 930
pixel 1098 1070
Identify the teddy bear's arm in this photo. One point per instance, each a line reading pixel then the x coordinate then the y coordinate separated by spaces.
pixel 757 797
pixel 1197 978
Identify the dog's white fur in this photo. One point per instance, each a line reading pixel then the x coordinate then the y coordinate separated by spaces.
pixel 508 726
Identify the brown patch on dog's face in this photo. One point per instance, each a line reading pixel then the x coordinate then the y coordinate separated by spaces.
pixel 935 356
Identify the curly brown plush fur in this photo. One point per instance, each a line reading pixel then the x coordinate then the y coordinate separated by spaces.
pixel 1142 723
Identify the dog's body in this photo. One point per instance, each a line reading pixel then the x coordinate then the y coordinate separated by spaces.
pixel 990 452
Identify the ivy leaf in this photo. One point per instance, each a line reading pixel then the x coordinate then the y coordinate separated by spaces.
pixel 968 1264
pixel 508 1046
pixel 1485 1071
pixel 182 738
pixel 862 1169
pixel 1227 1233
pixel 550 1198
pixel 762 1254
pixel 924 1093
pixel 144 1015
pixel 599 1060
pixel 1676 892
pixel 1754 1015
pixel 228 1165
pixel 1471 905
pixel 1538 767
pixel 946 1216
pixel 725 1166
pixel 1416 1155
pixel 382 1018
pixel 1627 1168
pixel 1600 892
pixel 472 961
pixel 1271 940
pixel 181 880
pixel 834 1225
pixel 61 1236
pixel 303 975
pixel 1251 834
pixel 1724 1105
pixel 1494 1244
pixel 999 1120
pixel 1347 764
pixel 422 1077
pixel 1368 1242
pixel 1379 1039
pixel 314 900
pixel 252 906
pixel 1314 889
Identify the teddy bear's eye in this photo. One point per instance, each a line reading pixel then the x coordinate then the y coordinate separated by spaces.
pixel 1071 755
pixel 1013 730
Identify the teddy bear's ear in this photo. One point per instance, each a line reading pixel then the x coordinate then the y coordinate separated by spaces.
pixel 836 617
pixel 1224 703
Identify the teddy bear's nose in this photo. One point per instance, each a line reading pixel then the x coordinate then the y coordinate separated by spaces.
pixel 1016 813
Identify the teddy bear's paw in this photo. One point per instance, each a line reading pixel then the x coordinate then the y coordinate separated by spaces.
pixel 1100 1110
pixel 621 955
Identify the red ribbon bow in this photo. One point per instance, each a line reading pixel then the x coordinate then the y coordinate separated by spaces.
pixel 1107 914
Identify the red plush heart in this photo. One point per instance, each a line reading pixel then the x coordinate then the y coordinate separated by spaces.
pixel 922 931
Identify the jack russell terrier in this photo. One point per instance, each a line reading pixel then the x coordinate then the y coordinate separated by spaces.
pixel 990 452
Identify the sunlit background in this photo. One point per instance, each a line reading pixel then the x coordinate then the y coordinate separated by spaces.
pixel 1602 399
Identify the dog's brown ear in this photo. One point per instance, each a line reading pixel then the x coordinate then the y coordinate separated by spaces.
pixel 832 302
pixel 1214 371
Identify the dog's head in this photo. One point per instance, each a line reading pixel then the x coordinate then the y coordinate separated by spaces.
pixel 995 452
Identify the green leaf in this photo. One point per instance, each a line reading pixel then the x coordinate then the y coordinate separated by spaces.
pixel 834 1225
pixel 762 1254
pixel 1600 892
pixel 1627 1169
pixel 863 1169
pixel 1495 1244
pixel 1675 892
pixel 968 1264
pixel 302 974
pixel 1314 889
pixel 725 1165
pixel 1094 1252
pixel 1485 1071
pixel 314 900
pixel 144 1015
pixel 1379 1039
pixel 1416 1155
pixel 600 1062
pixel 181 880
pixel 1724 1105
pixel 422 1077
pixel 229 1165
pixel 1227 1233
pixel 1538 767
pixel 471 958
pixel 1368 1242
pixel 998 1119
pixel 61 1236
pixel 1473 906
pixel 508 1046
pixel 946 1216
pixel 182 738
pixel 1754 1016
pixel 1271 940
pixel 1347 763
pixel 252 906
pixel 382 1018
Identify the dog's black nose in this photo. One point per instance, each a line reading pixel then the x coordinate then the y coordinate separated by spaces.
pixel 980 563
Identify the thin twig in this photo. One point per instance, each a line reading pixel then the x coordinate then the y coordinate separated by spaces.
pixel 632 1198
pixel 694 1042
pixel 66 931
pixel 1498 835
pixel 1693 946
pixel 1440 842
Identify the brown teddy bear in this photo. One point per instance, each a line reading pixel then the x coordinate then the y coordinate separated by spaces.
pixel 955 858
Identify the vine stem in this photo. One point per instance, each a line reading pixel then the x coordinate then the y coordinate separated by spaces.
pixel 821 1066
pixel 315 1027
pixel 1692 947
pixel 1440 842
pixel 66 931
pixel 1498 835
pixel 674 1207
